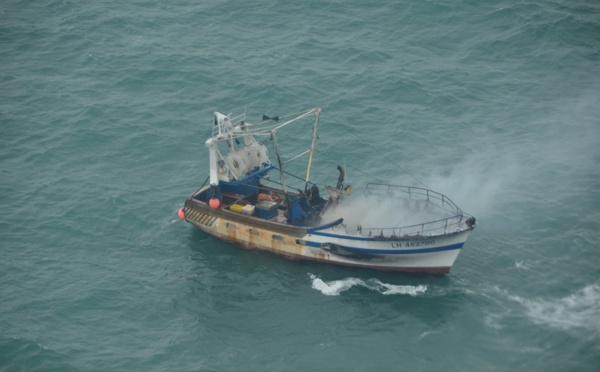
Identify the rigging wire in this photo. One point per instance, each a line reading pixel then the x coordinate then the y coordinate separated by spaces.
pixel 349 166
pixel 375 149
pixel 265 127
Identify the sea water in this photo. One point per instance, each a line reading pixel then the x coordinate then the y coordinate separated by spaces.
pixel 104 110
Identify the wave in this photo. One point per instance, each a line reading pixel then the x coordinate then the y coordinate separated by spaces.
pixel 335 287
pixel 578 310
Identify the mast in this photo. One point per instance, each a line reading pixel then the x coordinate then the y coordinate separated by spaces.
pixel 279 162
pixel 312 147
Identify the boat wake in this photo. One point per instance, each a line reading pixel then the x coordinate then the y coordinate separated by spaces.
pixel 578 310
pixel 335 287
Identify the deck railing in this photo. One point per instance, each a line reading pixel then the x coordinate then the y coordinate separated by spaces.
pixel 446 225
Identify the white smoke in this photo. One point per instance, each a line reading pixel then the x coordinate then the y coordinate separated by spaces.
pixel 371 211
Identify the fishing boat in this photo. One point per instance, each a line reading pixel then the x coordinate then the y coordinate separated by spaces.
pixel 256 203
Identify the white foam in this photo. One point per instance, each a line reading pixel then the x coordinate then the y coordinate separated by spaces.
pixel 335 287
pixel 492 321
pixel 578 310
pixel 520 265
pixel 427 333
pixel 388 289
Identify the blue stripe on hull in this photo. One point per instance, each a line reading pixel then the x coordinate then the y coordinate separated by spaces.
pixel 397 251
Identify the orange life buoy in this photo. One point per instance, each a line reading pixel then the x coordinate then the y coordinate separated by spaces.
pixel 262 196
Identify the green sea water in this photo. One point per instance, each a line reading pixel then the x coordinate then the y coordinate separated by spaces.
pixel 104 110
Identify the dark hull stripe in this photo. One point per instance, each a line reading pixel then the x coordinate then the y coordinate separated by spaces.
pixel 395 251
